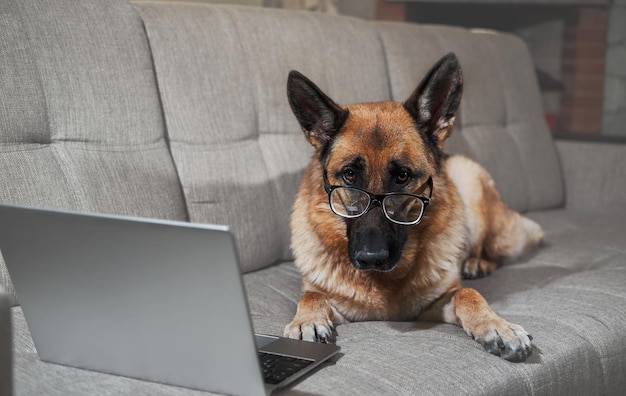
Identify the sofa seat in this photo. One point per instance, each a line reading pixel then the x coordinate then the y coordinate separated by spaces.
pixel 569 295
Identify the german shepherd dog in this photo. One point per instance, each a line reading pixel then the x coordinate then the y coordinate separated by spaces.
pixel 385 225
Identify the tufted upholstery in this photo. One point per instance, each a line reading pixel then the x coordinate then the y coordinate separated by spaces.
pixel 236 117
pixel 80 120
pixel 249 122
pixel 500 122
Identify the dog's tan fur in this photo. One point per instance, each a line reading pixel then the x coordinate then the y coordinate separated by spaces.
pixel 466 230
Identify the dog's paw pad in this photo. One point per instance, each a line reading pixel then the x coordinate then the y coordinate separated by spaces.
pixel 511 342
pixel 474 268
pixel 317 331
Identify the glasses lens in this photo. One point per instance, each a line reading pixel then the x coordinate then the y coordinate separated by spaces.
pixel 349 202
pixel 404 209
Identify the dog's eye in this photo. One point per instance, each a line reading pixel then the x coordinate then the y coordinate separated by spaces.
pixel 402 177
pixel 349 176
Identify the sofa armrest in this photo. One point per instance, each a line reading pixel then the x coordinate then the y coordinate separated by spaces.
pixel 595 175
pixel 6 345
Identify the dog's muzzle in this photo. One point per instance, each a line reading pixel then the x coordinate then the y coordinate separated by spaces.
pixel 378 259
pixel 374 243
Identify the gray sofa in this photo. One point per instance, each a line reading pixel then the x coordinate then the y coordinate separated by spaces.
pixel 178 111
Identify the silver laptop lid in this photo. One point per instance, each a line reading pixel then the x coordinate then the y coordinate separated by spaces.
pixel 156 300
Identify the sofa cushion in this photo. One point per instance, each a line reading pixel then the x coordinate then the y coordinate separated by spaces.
pixel 501 122
pixel 222 74
pixel 80 120
pixel 594 173
pixel 569 295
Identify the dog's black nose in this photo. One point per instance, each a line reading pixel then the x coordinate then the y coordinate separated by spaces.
pixel 368 259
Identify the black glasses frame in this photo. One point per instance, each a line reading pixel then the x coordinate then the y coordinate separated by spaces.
pixel 380 199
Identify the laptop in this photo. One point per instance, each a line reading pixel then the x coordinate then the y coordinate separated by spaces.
pixel 150 299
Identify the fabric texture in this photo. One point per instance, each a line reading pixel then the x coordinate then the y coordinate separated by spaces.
pixel 237 146
pixel 593 173
pixel 80 120
pixel 500 122
pixel 569 295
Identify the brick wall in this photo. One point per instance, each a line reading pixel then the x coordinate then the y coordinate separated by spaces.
pixel 583 67
pixel 386 11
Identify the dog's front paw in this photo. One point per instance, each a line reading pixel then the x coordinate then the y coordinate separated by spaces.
pixel 474 268
pixel 313 320
pixel 318 330
pixel 504 339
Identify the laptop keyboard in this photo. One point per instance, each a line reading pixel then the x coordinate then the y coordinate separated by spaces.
pixel 276 368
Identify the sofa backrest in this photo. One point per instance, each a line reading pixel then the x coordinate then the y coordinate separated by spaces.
pixel 80 119
pixel 222 70
pixel 179 111
pixel 222 73
pixel 501 122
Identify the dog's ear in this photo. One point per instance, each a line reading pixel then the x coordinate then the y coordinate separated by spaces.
pixel 434 103
pixel 319 116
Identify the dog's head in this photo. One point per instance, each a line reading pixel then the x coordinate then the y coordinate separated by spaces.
pixel 380 148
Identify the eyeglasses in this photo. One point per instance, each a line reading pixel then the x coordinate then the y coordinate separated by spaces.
pixel 400 208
